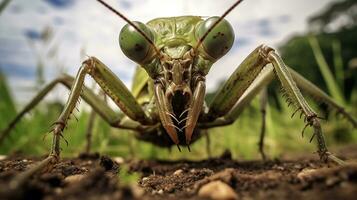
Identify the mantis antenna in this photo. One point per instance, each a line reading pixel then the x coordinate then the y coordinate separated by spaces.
pixel 131 23
pixel 216 23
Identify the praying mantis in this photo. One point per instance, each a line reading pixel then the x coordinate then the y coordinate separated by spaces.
pixel 167 103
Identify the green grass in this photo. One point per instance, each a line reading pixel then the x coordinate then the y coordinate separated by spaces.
pixel 241 138
pixel 330 81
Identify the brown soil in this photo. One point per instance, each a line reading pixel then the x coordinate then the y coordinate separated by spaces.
pixel 96 177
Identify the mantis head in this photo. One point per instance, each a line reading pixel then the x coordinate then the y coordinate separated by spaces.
pixel 177 66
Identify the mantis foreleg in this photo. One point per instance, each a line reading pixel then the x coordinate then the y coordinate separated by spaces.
pixel 249 79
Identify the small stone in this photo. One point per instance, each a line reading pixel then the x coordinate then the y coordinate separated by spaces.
pixel 332 181
pixel 225 175
pixel 119 160
pixel 217 190
pixel 178 172
pixel 277 167
pixel 84 169
pixel 169 188
pixel 58 190
pixel 2 157
pixel 161 191
pixel 73 178
pixel 89 162
pixel 145 179
pixel 298 166
pixel 306 174
pixel 193 171
pixel 312 165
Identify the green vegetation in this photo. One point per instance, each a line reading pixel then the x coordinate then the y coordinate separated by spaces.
pixel 328 53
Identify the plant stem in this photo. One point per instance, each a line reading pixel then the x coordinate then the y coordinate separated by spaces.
pixel 338 63
pixel 326 72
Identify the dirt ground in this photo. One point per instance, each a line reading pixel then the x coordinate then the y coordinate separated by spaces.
pixel 96 177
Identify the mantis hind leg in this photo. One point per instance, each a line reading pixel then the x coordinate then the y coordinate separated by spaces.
pixel 263 105
pixel 99 106
pixel 95 102
pixel 89 131
pixel 257 71
pixel 5 133
pixel 312 90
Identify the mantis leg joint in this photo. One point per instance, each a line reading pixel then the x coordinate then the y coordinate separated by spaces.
pixel 264 52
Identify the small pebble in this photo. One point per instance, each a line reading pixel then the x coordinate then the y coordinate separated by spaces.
pixel 2 157
pixel 217 190
pixel 89 162
pixel 298 166
pixel 145 179
pixel 178 172
pixel 84 169
pixel 331 181
pixel 306 174
pixel 119 160
pixel 277 167
pixel 312 165
pixel 58 190
pixel 170 188
pixel 161 191
pixel 73 178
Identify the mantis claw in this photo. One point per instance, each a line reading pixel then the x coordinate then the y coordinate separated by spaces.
pixel 178 146
pixel 188 147
pixel 194 109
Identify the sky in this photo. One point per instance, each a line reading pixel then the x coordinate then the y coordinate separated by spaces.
pixel 83 28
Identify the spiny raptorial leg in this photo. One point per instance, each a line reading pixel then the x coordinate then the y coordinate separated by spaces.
pixel 255 73
pixel 289 85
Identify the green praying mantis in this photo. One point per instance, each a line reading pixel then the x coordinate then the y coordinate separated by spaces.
pixel 167 103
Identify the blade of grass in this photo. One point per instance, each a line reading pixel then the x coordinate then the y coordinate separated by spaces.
pixel 7 104
pixel 338 63
pixel 325 71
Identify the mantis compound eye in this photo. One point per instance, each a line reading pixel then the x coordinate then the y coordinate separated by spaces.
pixel 133 44
pixel 219 41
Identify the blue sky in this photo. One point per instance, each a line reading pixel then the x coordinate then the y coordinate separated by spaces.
pixel 84 27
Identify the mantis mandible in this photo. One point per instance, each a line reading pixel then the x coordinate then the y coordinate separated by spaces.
pixel 167 103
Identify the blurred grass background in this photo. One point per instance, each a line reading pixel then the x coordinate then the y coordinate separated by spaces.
pixel 327 58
